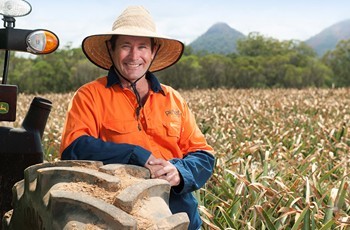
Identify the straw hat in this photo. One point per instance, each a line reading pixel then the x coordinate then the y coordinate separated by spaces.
pixel 134 21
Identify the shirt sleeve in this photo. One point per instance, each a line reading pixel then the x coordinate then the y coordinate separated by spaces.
pixel 80 137
pixel 90 148
pixel 192 139
pixel 195 169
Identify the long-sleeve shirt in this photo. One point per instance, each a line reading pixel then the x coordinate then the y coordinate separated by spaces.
pixel 102 125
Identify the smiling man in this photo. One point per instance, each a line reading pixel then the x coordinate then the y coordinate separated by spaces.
pixel 128 117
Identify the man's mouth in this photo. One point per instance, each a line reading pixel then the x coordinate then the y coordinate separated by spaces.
pixel 133 65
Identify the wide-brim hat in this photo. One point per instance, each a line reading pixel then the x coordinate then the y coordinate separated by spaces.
pixel 134 21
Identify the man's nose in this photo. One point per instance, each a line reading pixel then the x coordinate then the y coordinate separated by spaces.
pixel 134 53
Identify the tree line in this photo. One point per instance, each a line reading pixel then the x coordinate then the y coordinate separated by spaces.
pixel 260 62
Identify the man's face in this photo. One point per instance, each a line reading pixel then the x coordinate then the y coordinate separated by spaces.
pixel 132 56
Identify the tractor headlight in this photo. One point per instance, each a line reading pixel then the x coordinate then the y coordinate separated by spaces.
pixel 14 8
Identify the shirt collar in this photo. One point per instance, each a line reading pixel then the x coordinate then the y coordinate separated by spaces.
pixel 113 78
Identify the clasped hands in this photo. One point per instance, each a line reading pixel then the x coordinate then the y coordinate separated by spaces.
pixel 162 169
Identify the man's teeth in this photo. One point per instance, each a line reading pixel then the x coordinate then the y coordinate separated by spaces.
pixel 133 65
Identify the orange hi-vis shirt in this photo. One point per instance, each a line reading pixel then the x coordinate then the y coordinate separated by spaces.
pixel 165 127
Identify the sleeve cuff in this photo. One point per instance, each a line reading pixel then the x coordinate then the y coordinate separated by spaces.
pixel 183 172
pixel 139 156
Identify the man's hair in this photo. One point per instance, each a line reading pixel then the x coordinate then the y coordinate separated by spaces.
pixel 115 37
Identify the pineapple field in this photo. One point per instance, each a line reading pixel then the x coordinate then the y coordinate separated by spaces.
pixel 282 155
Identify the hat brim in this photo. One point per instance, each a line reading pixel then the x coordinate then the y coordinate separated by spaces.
pixel 95 49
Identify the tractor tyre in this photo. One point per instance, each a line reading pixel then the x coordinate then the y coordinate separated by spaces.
pixel 75 195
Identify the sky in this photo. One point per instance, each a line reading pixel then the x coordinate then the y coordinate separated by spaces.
pixel 186 20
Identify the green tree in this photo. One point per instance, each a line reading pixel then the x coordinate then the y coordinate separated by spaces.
pixel 84 71
pixel 248 72
pixel 257 45
pixel 271 63
pixel 214 69
pixel 185 74
pixel 62 71
pixel 339 61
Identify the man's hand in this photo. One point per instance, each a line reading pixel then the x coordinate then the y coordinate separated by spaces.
pixel 163 169
pixel 152 167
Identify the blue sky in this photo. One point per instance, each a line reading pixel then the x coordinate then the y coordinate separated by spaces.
pixel 72 20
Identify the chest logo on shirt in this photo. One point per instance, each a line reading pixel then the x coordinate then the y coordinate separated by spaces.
pixel 173 112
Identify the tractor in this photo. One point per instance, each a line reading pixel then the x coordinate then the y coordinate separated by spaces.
pixel 65 194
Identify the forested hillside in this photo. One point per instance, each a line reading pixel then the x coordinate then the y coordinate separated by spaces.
pixel 328 38
pixel 220 38
pixel 259 62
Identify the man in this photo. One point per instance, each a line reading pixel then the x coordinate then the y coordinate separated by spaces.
pixel 128 117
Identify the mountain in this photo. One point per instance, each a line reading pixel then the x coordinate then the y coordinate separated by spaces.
pixel 328 38
pixel 220 38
